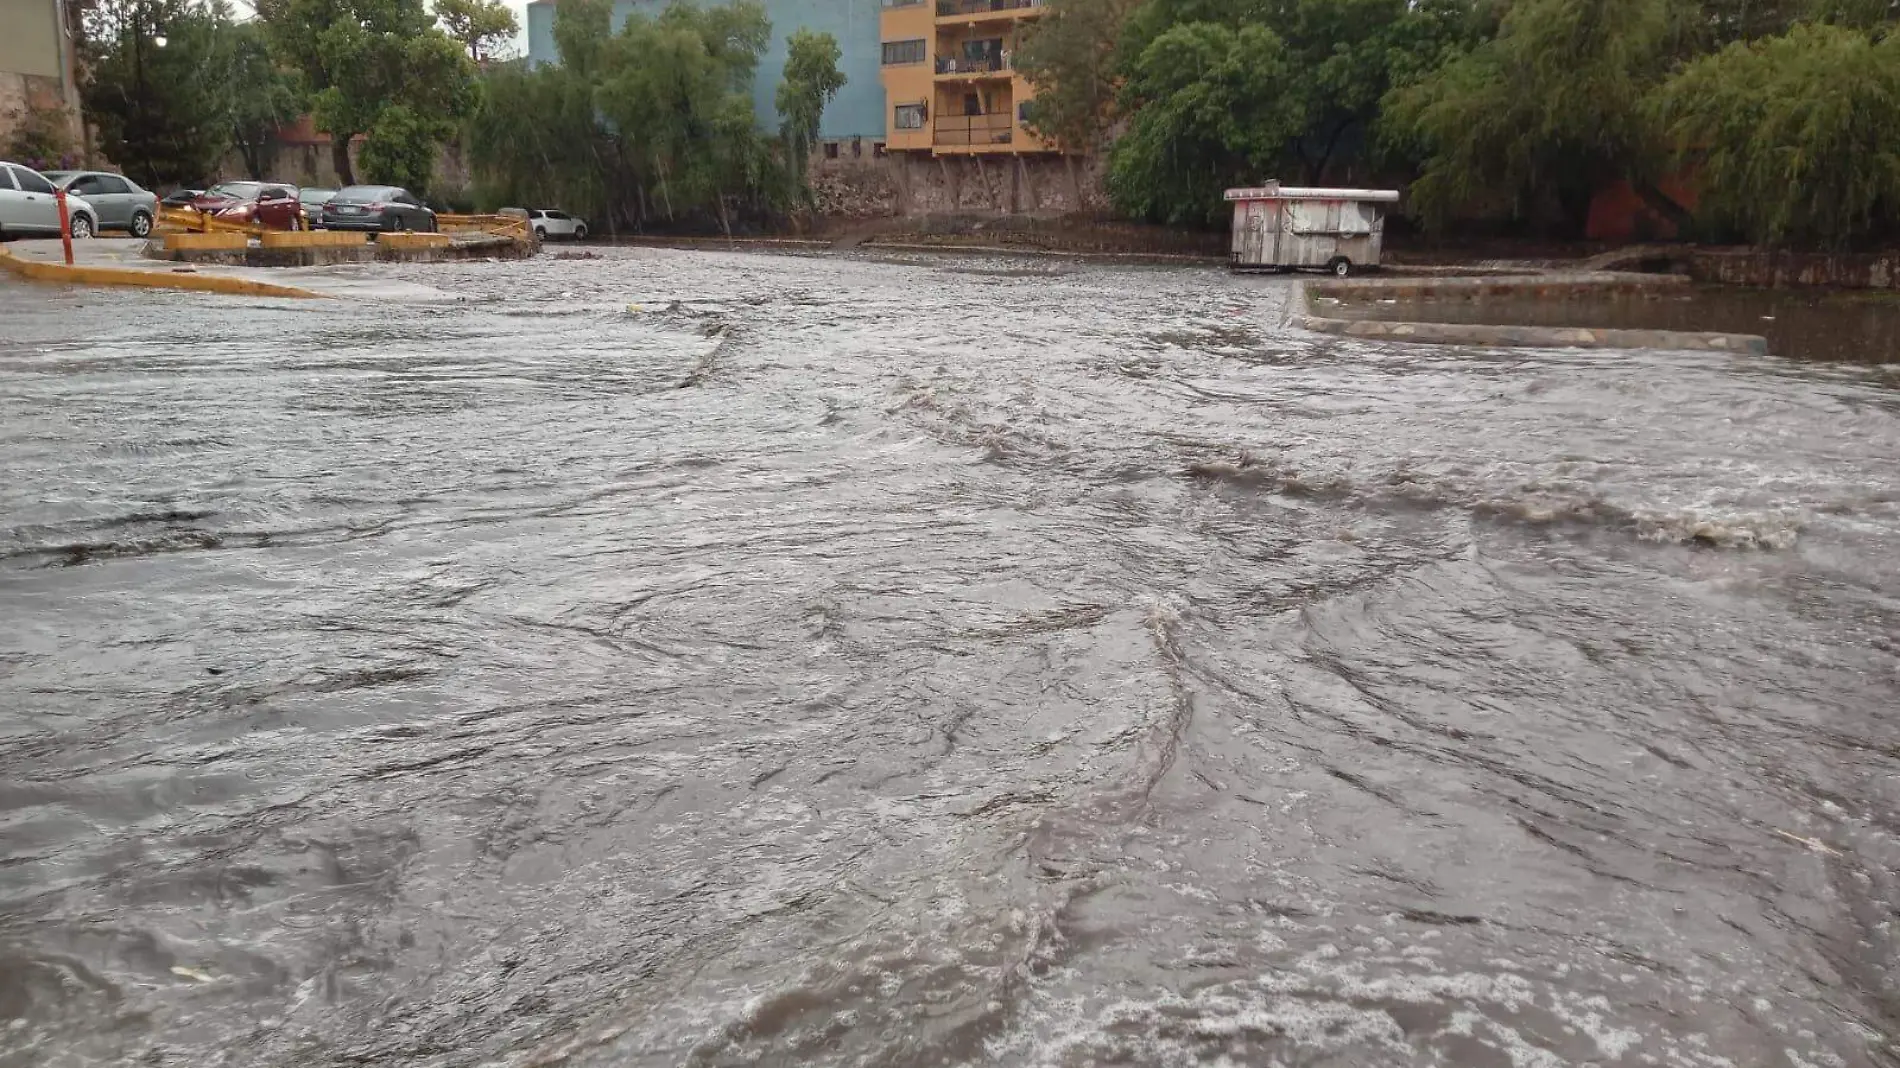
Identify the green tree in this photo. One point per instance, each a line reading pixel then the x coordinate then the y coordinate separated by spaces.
pixel 1072 58
pixel 811 80
pixel 536 140
pixel 363 57
pixel 259 96
pixel 677 90
pixel 1878 15
pixel 650 125
pixel 157 113
pixel 1529 124
pixel 484 27
pixel 400 149
pixel 1210 106
pixel 1796 138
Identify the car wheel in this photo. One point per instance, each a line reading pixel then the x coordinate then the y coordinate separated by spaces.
pixel 81 226
pixel 141 224
pixel 428 225
pixel 580 233
pixel 1340 266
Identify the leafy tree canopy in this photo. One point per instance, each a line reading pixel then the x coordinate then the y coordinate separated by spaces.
pixel 653 125
pixel 1796 137
pixel 363 57
pixel 483 27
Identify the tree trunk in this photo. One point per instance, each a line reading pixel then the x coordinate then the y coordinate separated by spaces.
pixel 1316 170
pixel 253 165
pixel 666 195
pixel 340 159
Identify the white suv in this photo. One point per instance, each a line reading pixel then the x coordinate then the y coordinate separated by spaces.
pixel 29 209
pixel 549 223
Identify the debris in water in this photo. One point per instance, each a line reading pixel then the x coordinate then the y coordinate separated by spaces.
pixel 1814 844
pixel 193 973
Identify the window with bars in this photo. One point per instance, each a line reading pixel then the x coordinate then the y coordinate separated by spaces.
pixel 910 116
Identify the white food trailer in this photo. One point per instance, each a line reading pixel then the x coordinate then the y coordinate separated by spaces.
pixel 1285 227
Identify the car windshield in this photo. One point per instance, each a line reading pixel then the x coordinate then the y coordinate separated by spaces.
pixel 364 194
pixel 235 190
pixel 60 177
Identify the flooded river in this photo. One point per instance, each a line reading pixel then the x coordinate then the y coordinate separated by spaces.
pixel 690 658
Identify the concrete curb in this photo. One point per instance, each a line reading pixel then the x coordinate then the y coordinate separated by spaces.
pixel 126 276
pixel 1300 314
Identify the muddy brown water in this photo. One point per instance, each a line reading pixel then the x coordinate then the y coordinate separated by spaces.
pixel 685 658
pixel 1800 324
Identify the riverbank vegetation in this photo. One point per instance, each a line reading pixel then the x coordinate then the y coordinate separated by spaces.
pixel 653 124
pixel 1509 115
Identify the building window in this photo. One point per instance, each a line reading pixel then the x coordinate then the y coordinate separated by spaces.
pixel 897 53
pixel 910 116
pixel 877 150
pixel 902 3
pixel 1022 112
pixel 831 150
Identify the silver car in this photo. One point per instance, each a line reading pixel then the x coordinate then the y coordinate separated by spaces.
pixel 118 200
pixel 28 207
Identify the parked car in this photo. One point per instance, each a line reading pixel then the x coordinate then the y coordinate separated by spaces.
pixel 312 201
pixel 377 207
pixel 181 197
pixel 550 223
pixel 272 205
pixel 120 202
pixel 29 206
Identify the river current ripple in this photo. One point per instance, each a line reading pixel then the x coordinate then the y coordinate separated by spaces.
pixel 696 658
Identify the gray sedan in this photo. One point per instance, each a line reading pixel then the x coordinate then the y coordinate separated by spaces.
pixel 121 204
pixel 28 207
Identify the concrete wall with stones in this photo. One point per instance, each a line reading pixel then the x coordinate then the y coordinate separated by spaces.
pixel 904 184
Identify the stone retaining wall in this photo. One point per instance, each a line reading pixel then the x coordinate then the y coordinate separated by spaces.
pixel 1756 267
pixel 1552 287
pixel 906 184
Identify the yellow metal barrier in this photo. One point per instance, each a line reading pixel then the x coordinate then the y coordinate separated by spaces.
pixel 199 222
pixel 498 225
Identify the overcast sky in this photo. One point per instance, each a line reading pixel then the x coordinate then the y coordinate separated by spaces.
pixel 520 8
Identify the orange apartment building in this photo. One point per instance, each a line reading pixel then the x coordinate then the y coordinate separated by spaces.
pixel 949 85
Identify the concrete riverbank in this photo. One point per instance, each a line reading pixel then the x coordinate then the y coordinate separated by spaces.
pixel 122 262
pixel 1328 307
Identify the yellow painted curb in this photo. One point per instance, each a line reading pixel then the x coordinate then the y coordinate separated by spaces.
pixel 414 240
pixel 216 239
pixel 311 239
pixel 153 279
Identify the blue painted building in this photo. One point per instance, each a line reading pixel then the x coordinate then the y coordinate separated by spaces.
pixel 857 110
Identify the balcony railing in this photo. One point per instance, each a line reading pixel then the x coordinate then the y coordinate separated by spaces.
pixel 993 129
pixel 966 65
pixel 953 8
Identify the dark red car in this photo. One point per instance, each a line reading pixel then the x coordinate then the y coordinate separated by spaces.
pixel 269 204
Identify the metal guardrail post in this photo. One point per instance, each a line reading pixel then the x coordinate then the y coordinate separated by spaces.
pixel 65 226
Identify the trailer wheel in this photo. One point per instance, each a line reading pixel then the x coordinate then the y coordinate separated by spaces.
pixel 1340 266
